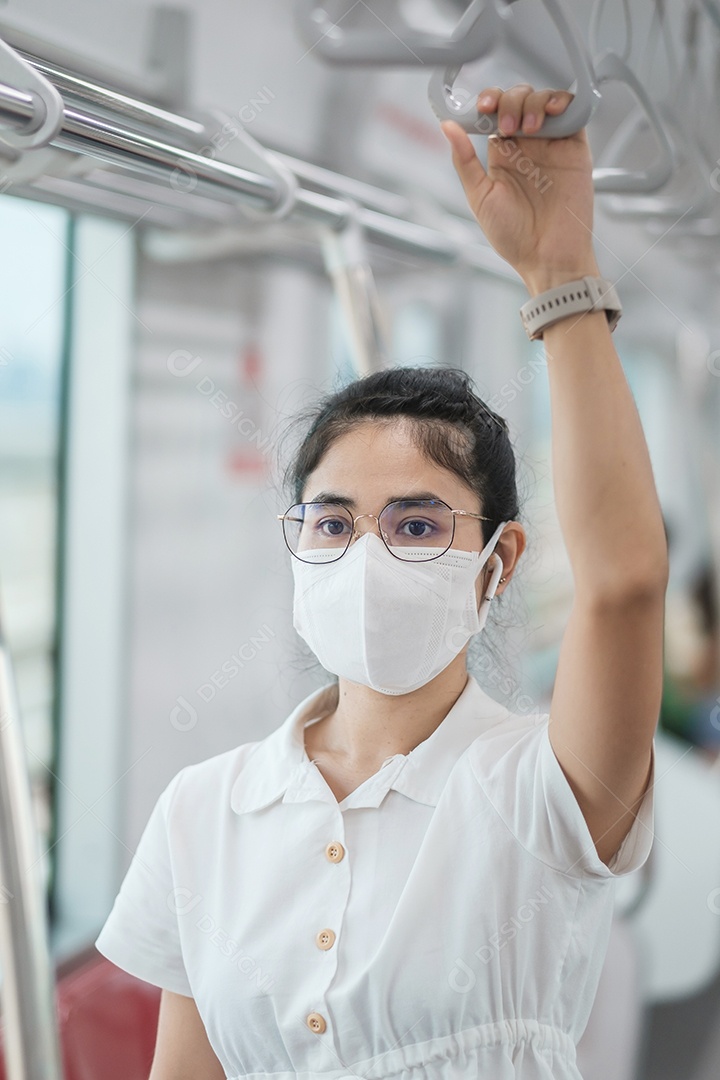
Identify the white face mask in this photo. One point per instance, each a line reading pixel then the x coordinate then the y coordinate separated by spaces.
pixel 389 624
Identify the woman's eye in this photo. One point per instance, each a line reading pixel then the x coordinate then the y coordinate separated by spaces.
pixel 416 528
pixel 333 526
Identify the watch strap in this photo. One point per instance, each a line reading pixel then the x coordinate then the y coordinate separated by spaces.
pixel 571 298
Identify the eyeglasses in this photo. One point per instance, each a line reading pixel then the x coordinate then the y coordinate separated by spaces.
pixel 413 530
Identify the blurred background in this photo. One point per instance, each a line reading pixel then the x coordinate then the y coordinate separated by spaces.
pixel 160 333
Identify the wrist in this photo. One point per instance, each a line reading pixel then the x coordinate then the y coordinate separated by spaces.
pixel 540 280
pixel 556 296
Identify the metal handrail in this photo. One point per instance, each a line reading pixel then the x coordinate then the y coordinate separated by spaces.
pixel 113 140
pixel 74 86
pixel 31 1042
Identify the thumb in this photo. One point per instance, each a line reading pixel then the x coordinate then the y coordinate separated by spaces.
pixel 466 162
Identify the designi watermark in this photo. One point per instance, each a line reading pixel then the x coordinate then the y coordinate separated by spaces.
pixel 184 715
pixel 184 178
pixel 181 901
pixel 462 978
pixel 182 363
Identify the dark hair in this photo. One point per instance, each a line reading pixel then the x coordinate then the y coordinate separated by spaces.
pixel 451 425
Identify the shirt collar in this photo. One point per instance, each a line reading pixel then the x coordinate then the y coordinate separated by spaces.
pixel 279 761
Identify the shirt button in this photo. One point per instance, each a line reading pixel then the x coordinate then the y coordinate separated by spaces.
pixel 316 1022
pixel 325 939
pixel 335 851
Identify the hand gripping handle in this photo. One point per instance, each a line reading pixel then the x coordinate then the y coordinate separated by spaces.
pixel 448 106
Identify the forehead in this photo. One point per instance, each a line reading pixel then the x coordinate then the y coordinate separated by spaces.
pixel 381 461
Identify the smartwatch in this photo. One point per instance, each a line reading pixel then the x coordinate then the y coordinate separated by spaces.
pixel 570 298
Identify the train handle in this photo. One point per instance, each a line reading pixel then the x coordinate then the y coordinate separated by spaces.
pixel 448 106
pixel 45 109
pixel 475 35
pixel 612 68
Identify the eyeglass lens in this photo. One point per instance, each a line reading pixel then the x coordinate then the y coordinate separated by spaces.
pixel 415 529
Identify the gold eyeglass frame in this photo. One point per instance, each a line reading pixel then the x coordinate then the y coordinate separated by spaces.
pixel 376 518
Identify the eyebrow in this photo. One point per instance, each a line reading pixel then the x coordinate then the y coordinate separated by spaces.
pixel 345 500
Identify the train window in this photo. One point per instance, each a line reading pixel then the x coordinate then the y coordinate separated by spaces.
pixel 94 751
pixel 33 280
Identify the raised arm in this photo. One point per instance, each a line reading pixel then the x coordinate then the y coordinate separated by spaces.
pixel 608 686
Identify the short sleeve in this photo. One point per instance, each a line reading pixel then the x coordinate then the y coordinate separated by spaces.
pixel 525 783
pixel 141 933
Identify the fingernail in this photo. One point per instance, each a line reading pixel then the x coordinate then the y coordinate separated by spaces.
pixel 507 123
pixel 486 99
pixel 529 121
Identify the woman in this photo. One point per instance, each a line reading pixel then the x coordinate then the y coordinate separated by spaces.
pixel 404 879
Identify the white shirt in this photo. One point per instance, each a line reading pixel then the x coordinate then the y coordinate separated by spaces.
pixel 448 919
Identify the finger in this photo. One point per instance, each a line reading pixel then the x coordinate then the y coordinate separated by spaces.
pixel 534 109
pixel 510 108
pixel 559 101
pixel 467 164
pixel 547 102
pixel 536 104
pixel 488 99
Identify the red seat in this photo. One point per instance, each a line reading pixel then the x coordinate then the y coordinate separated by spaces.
pixel 107 1020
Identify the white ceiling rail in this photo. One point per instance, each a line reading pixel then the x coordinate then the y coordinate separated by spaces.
pixel 690 200
pixel 392 40
pixel 138 140
pixel 612 68
pixel 483 27
pixel 478 33
pixel 595 19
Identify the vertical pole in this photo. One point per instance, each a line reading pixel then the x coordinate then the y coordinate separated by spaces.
pixel 32 1048
pixel 348 265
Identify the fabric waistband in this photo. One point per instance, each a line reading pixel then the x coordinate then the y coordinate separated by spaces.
pixel 424 1054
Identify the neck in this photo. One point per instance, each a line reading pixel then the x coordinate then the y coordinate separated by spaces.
pixel 366 726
